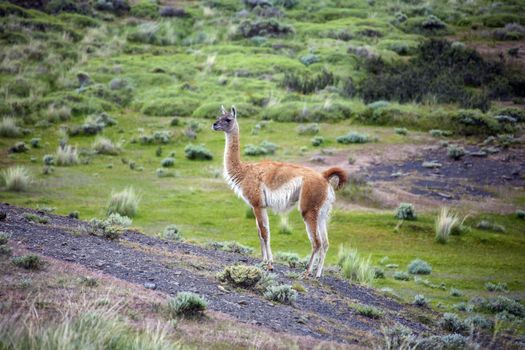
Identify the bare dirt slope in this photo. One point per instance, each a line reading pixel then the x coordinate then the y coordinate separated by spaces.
pixel 322 312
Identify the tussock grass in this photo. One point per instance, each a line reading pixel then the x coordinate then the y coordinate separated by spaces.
pixel 28 262
pixel 103 145
pixel 66 156
pixel 93 328
pixel 446 224
pixel 17 179
pixel 187 303
pixel 8 127
pixel 354 267
pixel 125 202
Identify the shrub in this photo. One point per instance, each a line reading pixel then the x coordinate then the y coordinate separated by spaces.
pixel 103 145
pixel 379 273
pixel 168 11
pixel 66 156
pixel 88 281
pixel 283 294
pixel 35 142
pixel 496 287
pixel 308 129
pixel 401 276
pixel 18 147
pixel 125 203
pixel 406 211
pixel 8 128
pixel 145 9
pixel 265 148
pixel 309 59
pixel 367 311
pixel 307 84
pixel 4 238
pixel 353 137
pixel 172 233
pixel 520 214
pixel 292 259
pixel 197 152
pixel 115 219
pixel 401 131
pixel 452 323
pixel 439 133
pixel 168 162
pixel 420 300
pixel 354 267
pixel 455 152
pixel 57 114
pixel 455 292
pixel 187 303
pixel 28 262
pixel 487 225
pixel 234 247
pixel 479 322
pixel 419 267
pixel 17 179
pixel 5 250
pixel 271 27
pixel 511 31
pixel 444 342
pixel 36 218
pixel 48 159
pixel 317 141
pixel 241 275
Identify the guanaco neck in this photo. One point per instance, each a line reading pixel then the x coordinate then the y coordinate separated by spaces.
pixel 232 154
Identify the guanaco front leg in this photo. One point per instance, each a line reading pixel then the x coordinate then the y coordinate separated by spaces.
pixel 263 227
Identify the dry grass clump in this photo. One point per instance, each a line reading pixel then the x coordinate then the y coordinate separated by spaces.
pixel 448 223
pixel 125 202
pixel 8 127
pixel 17 179
pixel 103 145
pixel 66 156
pixel 355 267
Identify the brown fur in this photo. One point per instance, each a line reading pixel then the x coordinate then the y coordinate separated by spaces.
pixel 250 180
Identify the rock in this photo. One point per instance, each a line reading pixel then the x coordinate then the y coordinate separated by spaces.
pixel 3 215
pixel 478 154
pixel 242 302
pixel 317 159
pixel 431 165
pixel 149 285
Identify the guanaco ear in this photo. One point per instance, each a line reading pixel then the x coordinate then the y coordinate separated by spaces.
pixel 223 110
pixel 234 112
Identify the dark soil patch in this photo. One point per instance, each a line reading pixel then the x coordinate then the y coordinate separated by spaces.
pixel 322 312
pixel 469 176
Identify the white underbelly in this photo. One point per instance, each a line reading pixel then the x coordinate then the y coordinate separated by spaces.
pixel 284 197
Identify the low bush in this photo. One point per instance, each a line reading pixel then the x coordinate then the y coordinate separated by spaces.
pixel 145 9
pixel 455 152
pixel 4 238
pixel 168 162
pixel 454 292
pixel 17 179
pixel 197 152
pixel 496 287
pixel 187 303
pixel 317 141
pixel 115 219
pixel 308 129
pixel 234 247
pixel 103 145
pixel 267 27
pixel 444 342
pixel 354 267
pixel 353 137
pixel 36 218
pixel 182 107
pixel 172 233
pixel 419 267
pixel 367 311
pixel 28 262
pixel 478 322
pixel 292 259
pixel 307 84
pixel 125 202
pixel 265 148
pixel 452 323
pixel 35 142
pixel 401 276
pixel 420 300
pixel 19 147
pixel 511 31
pixel 401 131
pixel 284 294
pixel 241 275
pixel 406 211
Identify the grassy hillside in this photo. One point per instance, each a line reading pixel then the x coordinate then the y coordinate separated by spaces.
pixel 150 78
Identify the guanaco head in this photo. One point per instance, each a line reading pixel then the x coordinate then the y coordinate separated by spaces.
pixel 226 121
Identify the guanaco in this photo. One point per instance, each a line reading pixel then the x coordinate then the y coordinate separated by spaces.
pixel 279 186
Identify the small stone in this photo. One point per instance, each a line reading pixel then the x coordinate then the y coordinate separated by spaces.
pixel 149 285
pixel 242 302
pixel 221 288
pixel 3 215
